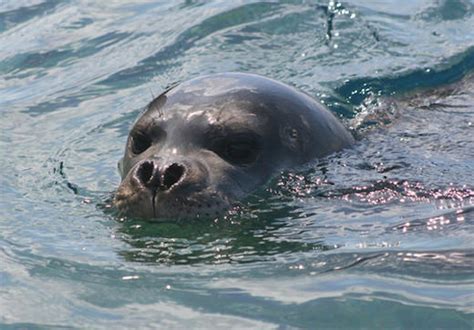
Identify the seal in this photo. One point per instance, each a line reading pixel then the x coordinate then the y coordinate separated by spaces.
pixel 206 143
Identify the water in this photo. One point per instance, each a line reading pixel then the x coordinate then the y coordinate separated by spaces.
pixel 378 236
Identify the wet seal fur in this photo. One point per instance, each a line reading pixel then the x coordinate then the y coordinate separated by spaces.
pixel 208 142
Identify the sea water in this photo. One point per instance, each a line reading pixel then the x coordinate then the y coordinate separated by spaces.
pixel 376 236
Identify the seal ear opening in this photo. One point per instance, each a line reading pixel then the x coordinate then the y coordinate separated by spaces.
pixel 120 167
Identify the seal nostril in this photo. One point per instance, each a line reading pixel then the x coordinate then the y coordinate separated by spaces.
pixel 172 175
pixel 145 172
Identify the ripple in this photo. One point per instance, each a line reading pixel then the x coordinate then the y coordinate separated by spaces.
pixel 456 67
pixel 21 65
pixel 14 17
pixel 380 233
pixel 169 56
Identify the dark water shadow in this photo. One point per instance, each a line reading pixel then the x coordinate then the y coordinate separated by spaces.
pixel 253 233
pixel 454 69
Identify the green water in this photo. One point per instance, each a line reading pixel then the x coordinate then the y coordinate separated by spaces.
pixel 377 236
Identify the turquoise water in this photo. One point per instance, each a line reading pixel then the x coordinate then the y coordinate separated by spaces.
pixel 376 236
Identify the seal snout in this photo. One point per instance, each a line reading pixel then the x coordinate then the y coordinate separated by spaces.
pixel 149 175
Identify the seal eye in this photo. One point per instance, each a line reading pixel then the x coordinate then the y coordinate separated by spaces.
pixel 238 150
pixel 139 143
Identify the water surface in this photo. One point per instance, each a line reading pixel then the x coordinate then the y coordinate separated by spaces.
pixel 379 235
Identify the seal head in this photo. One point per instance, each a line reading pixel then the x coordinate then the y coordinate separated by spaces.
pixel 210 141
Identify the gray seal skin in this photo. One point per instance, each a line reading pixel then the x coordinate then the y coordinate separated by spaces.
pixel 208 142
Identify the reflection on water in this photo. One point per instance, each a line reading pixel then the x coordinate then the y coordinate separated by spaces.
pixel 378 235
